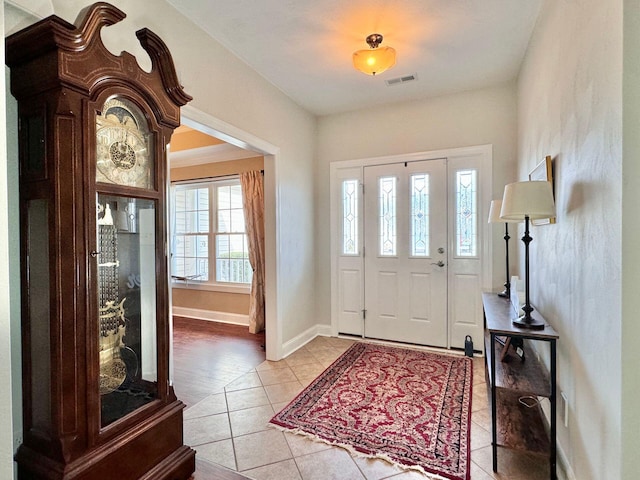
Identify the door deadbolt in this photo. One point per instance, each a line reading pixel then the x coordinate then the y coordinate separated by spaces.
pixel 441 250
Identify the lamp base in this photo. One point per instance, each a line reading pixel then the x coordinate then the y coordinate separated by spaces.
pixel 530 323
pixel 504 293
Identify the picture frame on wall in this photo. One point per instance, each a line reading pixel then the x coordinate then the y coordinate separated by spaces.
pixel 544 172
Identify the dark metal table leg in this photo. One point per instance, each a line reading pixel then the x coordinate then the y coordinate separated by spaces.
pixel 494 434
pixel 553 400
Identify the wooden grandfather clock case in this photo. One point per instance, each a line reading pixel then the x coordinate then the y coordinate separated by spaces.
pixel 93 130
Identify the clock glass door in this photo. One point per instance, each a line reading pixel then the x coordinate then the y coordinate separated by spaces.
pixel 127 346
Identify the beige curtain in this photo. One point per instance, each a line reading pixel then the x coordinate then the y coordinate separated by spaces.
pixel 253 198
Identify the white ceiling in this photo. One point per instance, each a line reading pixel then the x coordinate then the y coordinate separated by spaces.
pixel 304 47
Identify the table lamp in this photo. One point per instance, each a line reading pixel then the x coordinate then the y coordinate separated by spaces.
pixel 527 201
pixel 494 217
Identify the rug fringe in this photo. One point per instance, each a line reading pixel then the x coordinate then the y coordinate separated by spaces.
pixel 357 453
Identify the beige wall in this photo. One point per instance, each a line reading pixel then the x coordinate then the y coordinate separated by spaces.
pixel 212 301
pixel 630 233
pixel 570 107
pixel 478 117
pixel 204 299
pixel 10 399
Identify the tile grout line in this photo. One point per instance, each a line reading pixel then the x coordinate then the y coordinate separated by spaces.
pixel 233 444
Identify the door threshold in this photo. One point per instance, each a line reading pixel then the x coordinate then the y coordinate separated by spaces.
pixel 416 346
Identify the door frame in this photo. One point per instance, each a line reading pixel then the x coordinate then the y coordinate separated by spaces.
pixel 485 187
pixel 206 123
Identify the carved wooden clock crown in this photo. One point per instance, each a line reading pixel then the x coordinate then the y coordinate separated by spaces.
pixel 84 62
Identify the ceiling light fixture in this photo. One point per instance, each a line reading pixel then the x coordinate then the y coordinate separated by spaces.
pixel 375 60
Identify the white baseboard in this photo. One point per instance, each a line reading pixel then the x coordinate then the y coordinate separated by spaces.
pixel 324 330
pixel 212 315
pixel 305 337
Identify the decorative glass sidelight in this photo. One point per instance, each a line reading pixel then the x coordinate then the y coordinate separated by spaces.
pixel 387 187
pixel 350 217
pixel 466 213
pixel 420 215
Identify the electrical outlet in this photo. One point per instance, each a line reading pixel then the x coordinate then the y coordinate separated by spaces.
pixel 564 409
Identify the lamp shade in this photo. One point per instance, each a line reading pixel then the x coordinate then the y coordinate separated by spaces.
pixel 376 59
pixel 533 199
pixel 494 213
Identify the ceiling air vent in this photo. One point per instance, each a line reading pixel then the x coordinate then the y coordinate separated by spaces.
pixel 403 79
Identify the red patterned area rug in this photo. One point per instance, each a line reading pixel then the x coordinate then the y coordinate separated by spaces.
pixel 410 407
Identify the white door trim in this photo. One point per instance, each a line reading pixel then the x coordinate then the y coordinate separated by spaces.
pixel 485 152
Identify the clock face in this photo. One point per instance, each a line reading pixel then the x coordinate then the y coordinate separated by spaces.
pixel 124 150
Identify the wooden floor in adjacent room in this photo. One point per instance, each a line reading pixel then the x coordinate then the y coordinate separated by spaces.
pixel 209 355
pixel 206 357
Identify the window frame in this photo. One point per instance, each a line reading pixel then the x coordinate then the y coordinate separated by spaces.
pixel 212 284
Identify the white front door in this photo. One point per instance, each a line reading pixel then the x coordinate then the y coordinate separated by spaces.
pixel 405 246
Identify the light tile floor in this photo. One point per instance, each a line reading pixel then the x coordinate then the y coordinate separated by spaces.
pixel 230 428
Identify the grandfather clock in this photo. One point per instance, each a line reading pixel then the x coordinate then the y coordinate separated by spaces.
pixel 93 130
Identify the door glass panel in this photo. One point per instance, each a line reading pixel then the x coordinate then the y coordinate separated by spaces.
pixel 466 213
pixel 387 215
pixel 126 305
pixel 420 215
pixel 350 217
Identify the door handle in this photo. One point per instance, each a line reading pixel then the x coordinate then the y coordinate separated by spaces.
pixel 439 264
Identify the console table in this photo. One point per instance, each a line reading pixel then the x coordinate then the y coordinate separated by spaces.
pixel 515 384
